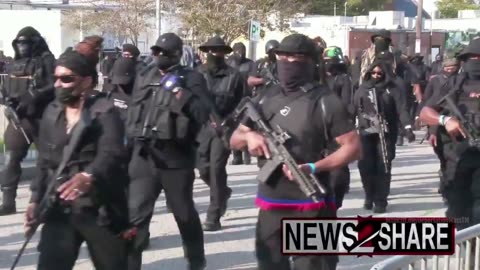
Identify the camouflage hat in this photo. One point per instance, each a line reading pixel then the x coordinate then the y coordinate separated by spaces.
pixel 450 58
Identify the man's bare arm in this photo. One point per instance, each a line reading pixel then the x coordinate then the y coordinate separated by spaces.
pixel 350 150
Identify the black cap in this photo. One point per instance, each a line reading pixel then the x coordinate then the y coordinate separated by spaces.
pixel 297 44
pixel 123 71
pixel 170 43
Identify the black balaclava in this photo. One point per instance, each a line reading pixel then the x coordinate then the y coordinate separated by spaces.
pixel 293 75
pixel 214 63
pixel 35 44
pixel 165 62
pixel 472 68
pixel 132 49
pixel 381 45
pixel 80 65
pixel 239 52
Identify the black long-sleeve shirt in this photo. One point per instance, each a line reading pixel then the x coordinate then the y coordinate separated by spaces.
pixel 101 151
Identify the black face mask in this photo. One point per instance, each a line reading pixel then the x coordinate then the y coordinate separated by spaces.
pixel 272 57
pixel 214 62
pixel 472 67
pixel 293 75
pixel 24 49
pixel 67 96
pixel 166 62
pixel 381 45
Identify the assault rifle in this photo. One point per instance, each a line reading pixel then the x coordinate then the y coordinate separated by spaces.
pixel 380 126
pixel 276 138
pixel 271 79
pixel 12 115
pixel 50 200
pixel 470 130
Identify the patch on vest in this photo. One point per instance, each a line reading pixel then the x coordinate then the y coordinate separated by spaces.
pixel 120 104
pixel 285 111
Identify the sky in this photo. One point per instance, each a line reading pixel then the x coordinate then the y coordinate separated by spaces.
pixel 429 6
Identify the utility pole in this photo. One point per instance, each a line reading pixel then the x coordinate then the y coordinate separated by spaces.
pixel 158 18
pixel 334 9
pixel 419 26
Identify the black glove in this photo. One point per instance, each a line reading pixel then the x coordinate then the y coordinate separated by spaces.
pixel 410 135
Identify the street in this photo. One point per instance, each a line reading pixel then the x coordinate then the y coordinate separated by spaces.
pixel 413 194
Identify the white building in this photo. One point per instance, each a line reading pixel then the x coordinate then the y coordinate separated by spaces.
pixel 47 17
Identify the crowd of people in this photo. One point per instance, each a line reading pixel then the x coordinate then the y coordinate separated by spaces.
pixel 105 156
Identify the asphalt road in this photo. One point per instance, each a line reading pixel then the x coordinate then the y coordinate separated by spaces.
pixel 413 194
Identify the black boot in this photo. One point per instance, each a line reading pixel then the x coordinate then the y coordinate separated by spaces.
pixel 225 204
pixel 246 158
pixel 400 141
pixel 368 204
pixel 237 158
pixel 8 206
pixel 379 209
pixel 211 225
pixel 197 265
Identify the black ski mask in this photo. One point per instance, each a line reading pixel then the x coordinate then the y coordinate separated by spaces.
pixel 67 96
pixel 24 48
pixel 472 67
pixel 272 57
pixel 165 62
pixel 214 62
pixel 293 75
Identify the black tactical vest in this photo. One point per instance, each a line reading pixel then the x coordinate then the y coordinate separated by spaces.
pixel 21 77
pixel 156 114
pixel 308 142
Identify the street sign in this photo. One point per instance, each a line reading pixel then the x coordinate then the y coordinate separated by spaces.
pixel 254 31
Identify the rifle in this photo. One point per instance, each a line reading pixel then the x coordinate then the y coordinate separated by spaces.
pixel 380 125
pixel 309 184
pixel 50 199
pixel 470 130
pixel 271 79
pixel 12 115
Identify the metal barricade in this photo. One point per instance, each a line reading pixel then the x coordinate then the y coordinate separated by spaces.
pixel 466 257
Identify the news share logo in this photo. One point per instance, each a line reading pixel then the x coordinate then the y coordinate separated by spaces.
pixel 368 236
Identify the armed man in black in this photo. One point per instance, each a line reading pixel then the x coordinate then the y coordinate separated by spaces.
pixel 312 116
pixel 264 72
pixel 379 103
pixel 458 113
pixel 242 64
pixel 227 88
pixel 437 88
pixel 79 192
pixel 26 92
pixel 164 118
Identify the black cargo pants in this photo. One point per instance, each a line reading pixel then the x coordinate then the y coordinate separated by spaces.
pixel 146 183
pixel 268 242
pixel 16 150
pixel 340 181
pixel 375 180
pixel 462 186
pixel 62 236
pixel 212 166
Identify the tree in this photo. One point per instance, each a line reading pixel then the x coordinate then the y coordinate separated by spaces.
pixel 127 18
pixel 354 7
pixel 230 18
pixel 450 8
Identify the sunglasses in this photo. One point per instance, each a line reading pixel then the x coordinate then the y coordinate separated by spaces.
pixel 66 78
pixel 376 73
